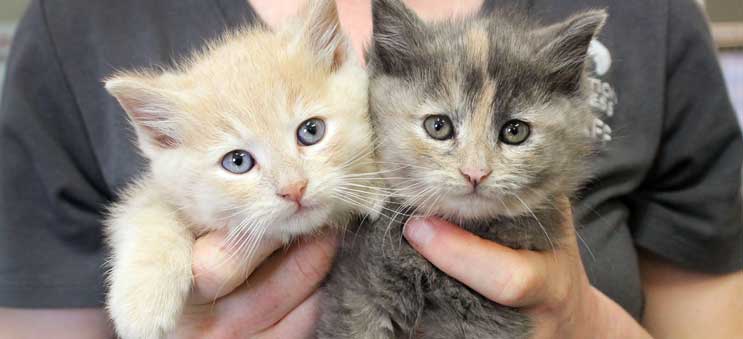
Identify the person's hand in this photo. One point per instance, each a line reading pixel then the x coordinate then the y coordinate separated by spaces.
pixel 278 300
pixel 551 287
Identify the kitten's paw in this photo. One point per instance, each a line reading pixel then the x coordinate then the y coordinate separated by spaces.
pixel 147 308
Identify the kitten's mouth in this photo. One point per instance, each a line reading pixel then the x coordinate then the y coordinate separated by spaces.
pixel 474 193
pixel 300 209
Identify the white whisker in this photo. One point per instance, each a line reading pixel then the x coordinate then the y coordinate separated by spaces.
pixel 552 245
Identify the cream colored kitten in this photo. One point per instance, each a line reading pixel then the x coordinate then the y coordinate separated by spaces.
pixel 263 133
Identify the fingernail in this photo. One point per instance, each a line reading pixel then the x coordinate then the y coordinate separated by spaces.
pixel 419 231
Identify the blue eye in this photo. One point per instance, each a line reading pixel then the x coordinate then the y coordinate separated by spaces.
pixel 238 162
pixel 311 131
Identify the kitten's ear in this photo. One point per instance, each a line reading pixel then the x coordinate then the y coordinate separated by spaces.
pixel 321 32
pixel 396 32
pixel 566 47
pixel 150 108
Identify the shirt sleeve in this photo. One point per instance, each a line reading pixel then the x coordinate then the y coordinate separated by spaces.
pixel 688 210
pixel 51 191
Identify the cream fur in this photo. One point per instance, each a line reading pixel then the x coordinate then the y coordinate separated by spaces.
pixel 250 90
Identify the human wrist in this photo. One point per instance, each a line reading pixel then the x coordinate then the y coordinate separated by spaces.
pixel 611 321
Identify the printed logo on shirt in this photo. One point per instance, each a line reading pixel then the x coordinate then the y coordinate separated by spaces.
pixel 602 96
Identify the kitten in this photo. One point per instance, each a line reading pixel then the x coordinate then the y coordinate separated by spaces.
pixel 258 134
pixel 482 121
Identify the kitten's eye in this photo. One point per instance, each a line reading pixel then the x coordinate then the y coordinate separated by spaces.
pixel 238 162
pixel 439 127
pixel 515 132
pixel 311 131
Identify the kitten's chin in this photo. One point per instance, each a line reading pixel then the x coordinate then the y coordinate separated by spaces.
pixel 305 221
pixel 470 207
pixel 310 220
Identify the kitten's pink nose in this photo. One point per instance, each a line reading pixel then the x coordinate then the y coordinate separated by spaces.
pixel 475 175
pixel 293 191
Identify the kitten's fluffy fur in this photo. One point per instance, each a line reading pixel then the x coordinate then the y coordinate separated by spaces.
pixel 250 90
pixel 481 72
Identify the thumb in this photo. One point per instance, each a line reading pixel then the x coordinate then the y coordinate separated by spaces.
pixel 219 268
pixel 509 277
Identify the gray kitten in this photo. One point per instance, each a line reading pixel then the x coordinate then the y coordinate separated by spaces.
pixel 482 121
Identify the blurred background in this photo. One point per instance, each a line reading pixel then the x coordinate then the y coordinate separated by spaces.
pixel 10 12
pixel 726 19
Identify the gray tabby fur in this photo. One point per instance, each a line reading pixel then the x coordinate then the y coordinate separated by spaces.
pixel 481 71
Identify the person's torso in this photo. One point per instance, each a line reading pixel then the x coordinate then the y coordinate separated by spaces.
pixel 627 85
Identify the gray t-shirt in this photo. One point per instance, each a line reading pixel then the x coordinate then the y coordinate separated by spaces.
pixel 668 179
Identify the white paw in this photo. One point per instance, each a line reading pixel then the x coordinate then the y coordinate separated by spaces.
pixel 147 305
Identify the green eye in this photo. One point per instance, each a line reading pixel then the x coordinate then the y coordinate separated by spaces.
pixel 514 132
pixel 439 127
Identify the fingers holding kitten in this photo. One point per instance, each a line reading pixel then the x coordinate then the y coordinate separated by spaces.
pixel 218 268
pixel 281 283
pixel 299 323
pixel 277 301
pixel 517 278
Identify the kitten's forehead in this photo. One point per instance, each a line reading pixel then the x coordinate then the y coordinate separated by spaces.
pixel 485 71
pixel 254 87
pixel 261 72
pixel 269 121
